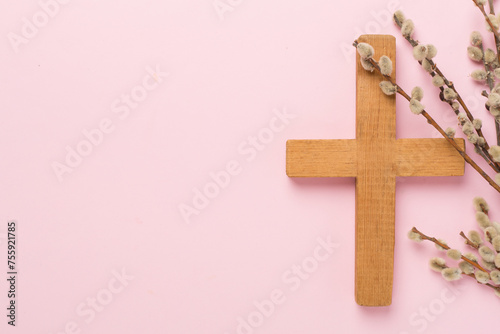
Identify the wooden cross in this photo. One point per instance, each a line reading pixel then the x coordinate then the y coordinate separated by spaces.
pixel 374 158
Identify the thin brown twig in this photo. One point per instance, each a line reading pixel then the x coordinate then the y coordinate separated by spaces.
pixel 483 151
pixel 486 17
pixel 486 158
pixel 497 40
pixel 431 121
pixel 497 43
pixel 464 155
pixel 487 284
pixel 489 159
pixel 468 241
pixel 440 244
pixel 497 129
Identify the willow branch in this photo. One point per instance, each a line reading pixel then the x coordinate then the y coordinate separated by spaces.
pixel 489 159
pixel 446 247
pixel 468 241
pixel 486 17
pixel 487 284
pixel 431 121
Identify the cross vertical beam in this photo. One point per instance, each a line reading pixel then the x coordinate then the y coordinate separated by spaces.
pixel 375 182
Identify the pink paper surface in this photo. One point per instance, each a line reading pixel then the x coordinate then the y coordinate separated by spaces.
pixel 102 244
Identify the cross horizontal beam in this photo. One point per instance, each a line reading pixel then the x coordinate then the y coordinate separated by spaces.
pixel 337 157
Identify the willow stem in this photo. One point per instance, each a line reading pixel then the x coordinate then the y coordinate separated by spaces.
pixel 497 43
pixel 468 241
pixel 487 284
pixel 440 244
pixel 497 128
pixel 431 121
pixel 449 84
pixel 493 29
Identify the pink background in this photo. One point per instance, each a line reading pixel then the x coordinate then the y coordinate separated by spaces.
pixel 119 208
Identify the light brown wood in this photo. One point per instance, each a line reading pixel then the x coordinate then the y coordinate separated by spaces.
pixel 428 157
pixel 321 158
pixel 375 158
pixel 375 181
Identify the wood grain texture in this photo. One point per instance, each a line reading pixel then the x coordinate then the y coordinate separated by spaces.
pixel 375 158
pixel 375 181
pixel 428 157
pixel 321 158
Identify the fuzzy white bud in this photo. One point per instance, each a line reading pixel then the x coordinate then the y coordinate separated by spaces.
pixel 399 16
pixel 451 274
pixel 495 111
pixel 496 88
pixel 475 53
pixel 417 93
pixel 416 107
pixel 366 64
pixel 477 123
pixel 473 138
pixel 449 94
pixel 496 72
pixel 427 66
pixel 431 51
pixel 493 100
pixel 468 128
pixel 480 204
pixel 365 50
pixel 450 132
pixel 495 242
pixel 462 117
pixel 494 22
pixel 489 55
pixel 495 276
pixel 496 225
pixel 479 75
pixel 475 38
pixel 475 237
pixel 454 254
pixel 437 81
pixel 437 264
pixel 466 267
pixel 407 28
pixel 387 88
pixel 483 220
pixel 414 236
pixel 490 233
pixel 494 151
pixel 482 277
pixel 487 253
pixel 420 52
pixel 385 64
